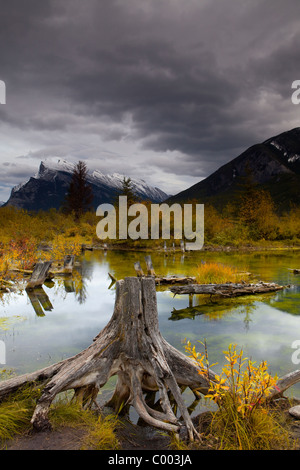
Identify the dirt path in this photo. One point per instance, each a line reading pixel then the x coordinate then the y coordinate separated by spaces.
pixel 131 437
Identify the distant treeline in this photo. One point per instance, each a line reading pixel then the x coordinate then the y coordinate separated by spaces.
pixel 253 220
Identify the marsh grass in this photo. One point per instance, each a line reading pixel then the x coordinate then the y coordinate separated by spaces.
pixel 217 273
pixel 263 430
pixel 99 432
pixel 16 412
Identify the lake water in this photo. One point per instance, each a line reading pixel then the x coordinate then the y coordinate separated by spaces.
pixel 75 311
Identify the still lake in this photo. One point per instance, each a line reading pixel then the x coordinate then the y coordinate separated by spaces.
pixel 76 310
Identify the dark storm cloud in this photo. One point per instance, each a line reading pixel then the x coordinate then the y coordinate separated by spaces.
pixel 204 78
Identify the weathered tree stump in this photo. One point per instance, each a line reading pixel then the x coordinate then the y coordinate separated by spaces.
pixel 150 269
pixel 39 274
pixel 131 347
pixel 69 261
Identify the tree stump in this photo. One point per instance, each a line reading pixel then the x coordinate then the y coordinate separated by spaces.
pixel 39 274
pixel 131 347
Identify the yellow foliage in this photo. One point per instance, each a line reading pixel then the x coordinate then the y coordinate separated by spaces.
pixel 62 246
pixel 241 391
pixel 216 273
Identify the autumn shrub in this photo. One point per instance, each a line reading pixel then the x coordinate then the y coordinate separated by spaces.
pixel 62 246
pixel 23 251
pixel 243 420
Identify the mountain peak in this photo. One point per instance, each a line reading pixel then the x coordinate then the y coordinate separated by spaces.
pixel 48 187
pixel 57 165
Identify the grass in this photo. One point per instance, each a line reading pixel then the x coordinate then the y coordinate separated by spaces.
pixel 100 431
pixel 216 273
pixel 264 430
pixel 16 412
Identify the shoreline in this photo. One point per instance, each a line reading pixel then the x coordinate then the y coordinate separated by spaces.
pixel 207 248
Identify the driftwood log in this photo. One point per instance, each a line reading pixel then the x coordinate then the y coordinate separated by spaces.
pixel 175 280
pixel 227 290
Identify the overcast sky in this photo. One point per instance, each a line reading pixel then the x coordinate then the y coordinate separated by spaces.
pixel 166 90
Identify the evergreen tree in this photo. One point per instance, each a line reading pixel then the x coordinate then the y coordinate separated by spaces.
pixel 80 196
pixel 127 190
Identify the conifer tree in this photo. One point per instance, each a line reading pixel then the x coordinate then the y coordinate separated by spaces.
pixel 79 196
pixel 127 190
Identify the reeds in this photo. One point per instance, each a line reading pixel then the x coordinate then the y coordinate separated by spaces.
pixel 217 273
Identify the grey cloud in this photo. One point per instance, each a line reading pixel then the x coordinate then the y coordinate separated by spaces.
pixel 205 79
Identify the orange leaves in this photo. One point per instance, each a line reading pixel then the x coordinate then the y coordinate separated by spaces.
pixel 23 251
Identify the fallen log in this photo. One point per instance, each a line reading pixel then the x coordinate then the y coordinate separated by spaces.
pixel 227 290
pixel 161 279
pixel 175 280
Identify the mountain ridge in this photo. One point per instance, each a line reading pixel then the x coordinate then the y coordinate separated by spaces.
pixel 48 187
pixel 274 165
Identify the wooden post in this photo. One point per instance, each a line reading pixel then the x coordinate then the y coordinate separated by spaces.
pixel 39 274
pixel 69 263
pixel 150 268
pixel 139 271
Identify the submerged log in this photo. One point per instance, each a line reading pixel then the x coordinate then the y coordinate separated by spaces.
pixel 227 290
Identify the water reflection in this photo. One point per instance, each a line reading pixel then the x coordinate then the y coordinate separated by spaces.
pixel 39 301
pixel 287 300
pixel 216 310
pixel 65 315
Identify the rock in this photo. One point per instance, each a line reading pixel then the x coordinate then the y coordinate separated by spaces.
pixel 295 411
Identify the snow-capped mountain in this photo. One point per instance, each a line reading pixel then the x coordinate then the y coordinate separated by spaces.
pixel 48 187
